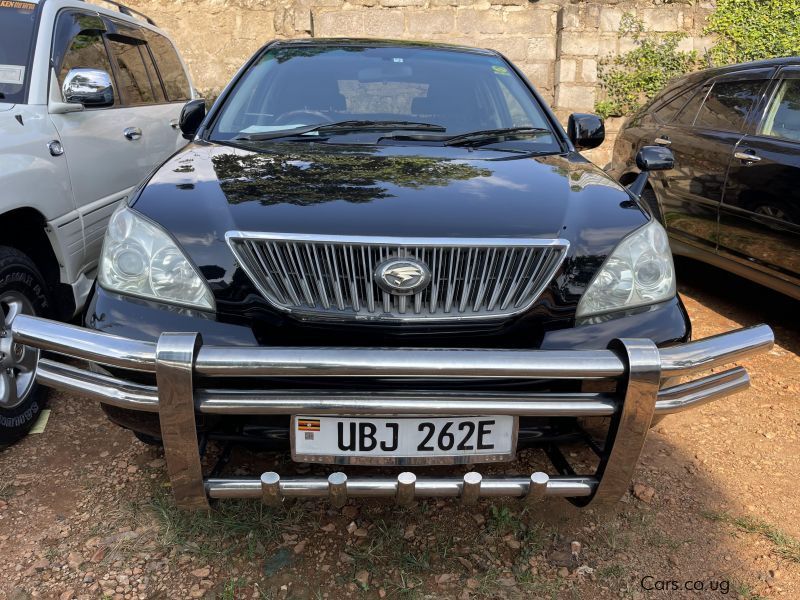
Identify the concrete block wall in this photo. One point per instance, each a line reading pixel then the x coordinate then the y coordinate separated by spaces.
pixel 558 44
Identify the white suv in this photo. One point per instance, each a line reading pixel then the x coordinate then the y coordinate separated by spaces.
pixel 89 105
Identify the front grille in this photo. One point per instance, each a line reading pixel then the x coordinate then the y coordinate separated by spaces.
pixel 334 276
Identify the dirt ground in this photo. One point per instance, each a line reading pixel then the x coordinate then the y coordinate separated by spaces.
pixel 714 511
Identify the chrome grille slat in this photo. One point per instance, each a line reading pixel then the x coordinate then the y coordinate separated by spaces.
pixel 332 276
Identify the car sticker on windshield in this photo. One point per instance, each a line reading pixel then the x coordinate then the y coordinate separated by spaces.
pixel 500 70
pixel 16 4
pixel 14 74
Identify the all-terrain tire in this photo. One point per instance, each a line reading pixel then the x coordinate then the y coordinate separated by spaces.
pixel 19 278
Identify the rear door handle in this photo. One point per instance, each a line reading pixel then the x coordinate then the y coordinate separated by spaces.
pixel 174 124
pixel 663 141
pixel 748 156
pixel 132 133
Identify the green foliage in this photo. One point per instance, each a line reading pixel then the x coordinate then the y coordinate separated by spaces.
pixel 754 29
pixel 631 79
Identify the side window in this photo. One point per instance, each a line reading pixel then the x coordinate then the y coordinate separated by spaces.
pixel 135 80
pixel 783 115
pixel 688 113
pixel 173 76
pixel 728 104
pixel 667 111
pixel 87 51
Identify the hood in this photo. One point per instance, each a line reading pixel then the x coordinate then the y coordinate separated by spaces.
pixel 208 189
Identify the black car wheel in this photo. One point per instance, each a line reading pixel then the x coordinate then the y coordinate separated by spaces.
pixel 22 291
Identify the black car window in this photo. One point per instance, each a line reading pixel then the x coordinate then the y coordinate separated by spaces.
pixel 136 86
pixel 782 118
pixel 85 51
pixel 727 105
pixel 17 33
pixel 688 113
pixel 290 87
pixel 667 111
pixel 169 66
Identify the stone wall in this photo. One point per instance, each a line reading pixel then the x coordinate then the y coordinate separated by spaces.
pixel 556 43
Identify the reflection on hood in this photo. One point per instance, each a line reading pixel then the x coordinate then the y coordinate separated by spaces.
pixel 332 174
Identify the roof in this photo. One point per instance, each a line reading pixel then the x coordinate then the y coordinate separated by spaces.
pixel 769 62
pixel 121 8
pixel 382 43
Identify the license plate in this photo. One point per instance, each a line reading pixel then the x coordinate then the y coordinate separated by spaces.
pixel 403 440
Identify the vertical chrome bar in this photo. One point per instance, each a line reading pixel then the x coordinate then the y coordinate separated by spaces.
pixel 333 270
pixel 546 257
pixel 253 253
pixel 418 295
pixel 337 489
pixel 406 484
pixel 472 488
pixel 294 254
pixel 271 489
pixel 437 278
pixel 275 254
pixel 488 263
pixel 498 282
pixel 466 286
pixel 352 277
pixel 455 255
pixel 629 427
pixel 366 256
pixel 319 275
pixel 538 489
pixel 175 355
pixel 517 274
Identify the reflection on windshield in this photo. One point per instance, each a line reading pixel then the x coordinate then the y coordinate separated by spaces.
pixel 333 173
pixel 295 86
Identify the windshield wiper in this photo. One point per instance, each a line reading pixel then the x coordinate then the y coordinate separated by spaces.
pixel 488 136
pixel 474 138
pixel 341 126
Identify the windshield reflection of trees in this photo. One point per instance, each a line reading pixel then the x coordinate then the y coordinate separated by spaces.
pixel 335 173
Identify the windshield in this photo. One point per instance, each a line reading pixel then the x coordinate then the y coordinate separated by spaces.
pixel 300 86
pixel 17 25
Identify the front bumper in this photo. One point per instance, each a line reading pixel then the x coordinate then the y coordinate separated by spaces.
pixel 181 363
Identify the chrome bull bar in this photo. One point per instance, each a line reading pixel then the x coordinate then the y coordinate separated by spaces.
pixel 180 362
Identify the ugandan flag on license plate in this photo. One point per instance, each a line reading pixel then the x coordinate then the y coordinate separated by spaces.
pixel 307 424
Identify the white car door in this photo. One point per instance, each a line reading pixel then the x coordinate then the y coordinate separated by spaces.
pixel 103 145
pixel 111 150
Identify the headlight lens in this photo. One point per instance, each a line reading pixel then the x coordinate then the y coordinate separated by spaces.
pixel 140 259
pixel 638 272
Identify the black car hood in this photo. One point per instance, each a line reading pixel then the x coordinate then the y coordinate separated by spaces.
pixel 207 190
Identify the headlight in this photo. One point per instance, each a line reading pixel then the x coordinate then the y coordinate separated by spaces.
pixel 638 272
pixel 140 259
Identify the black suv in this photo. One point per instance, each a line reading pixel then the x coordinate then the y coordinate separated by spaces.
pixel 733 199
pixel 387 254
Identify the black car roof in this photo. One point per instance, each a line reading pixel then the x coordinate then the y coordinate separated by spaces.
pixel 715 71
pixel 381 43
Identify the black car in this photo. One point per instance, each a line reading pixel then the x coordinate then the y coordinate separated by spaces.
pixel 387 254
pixel 733 199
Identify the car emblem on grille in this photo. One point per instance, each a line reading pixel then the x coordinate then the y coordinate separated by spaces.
pixel 402 276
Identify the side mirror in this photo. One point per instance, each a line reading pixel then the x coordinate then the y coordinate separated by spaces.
pixel 586 131
pixel 192 115
pixel 650 158
pixel 91 88
pixel 655 158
